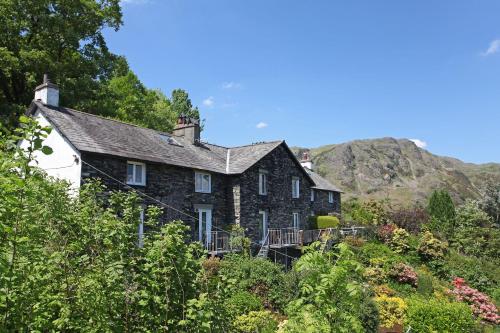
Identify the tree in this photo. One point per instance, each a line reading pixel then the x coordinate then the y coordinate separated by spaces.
pixel 181 104
pixel 442 212
pixel 62 38
pixel 490 202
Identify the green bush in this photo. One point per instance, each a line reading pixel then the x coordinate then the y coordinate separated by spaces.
pixel 399 241
pixel 323 222
pixel 256 321
pixel 431 315
pixel 242 302
pixel 431 248
pixel 425 286
pixel 369 315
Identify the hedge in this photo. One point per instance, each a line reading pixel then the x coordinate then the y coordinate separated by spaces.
pixel 323 222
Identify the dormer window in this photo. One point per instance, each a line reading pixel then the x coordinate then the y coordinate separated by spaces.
pixel 262 182
pixel 136 173
pixel 330 197
pixel 203 182
pixel 295 187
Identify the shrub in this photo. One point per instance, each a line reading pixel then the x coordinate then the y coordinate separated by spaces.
pixel 375 275
pixel 323 222
pixel 431 315
pixel 442 211
pixel 384 232
pixel 354 241
pixel 399 240
pixel 242 302
pixel 378 255
pixel 480 303
pixel 431 248
pixel 391 310
pixel 256 321
pixel 404 274
pixel 369 315
pixel 411 219
pixel 425 284
pixel 384 290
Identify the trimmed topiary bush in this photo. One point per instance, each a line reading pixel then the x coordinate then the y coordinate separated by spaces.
pixel 323 222
pixel 432 315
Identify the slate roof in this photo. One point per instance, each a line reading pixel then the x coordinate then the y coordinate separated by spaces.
pixel 322 183
pixel 95 134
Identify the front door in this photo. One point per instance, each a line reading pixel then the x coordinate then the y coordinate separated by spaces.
pixel 205 225
pixel 263 225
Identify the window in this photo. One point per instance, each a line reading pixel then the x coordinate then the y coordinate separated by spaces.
pixel 295 187
pixel 262 182
pixel 312 194
pixel 263 217
pixel 330 197
pixel 296 220
pixel 136 173
pixel 203 182
pixel 140 241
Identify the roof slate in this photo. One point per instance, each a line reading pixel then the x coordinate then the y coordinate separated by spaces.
pixel 95 134
pixel 321 183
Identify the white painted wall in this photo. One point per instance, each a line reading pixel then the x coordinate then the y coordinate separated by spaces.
pixel 61 163
pixel 48 95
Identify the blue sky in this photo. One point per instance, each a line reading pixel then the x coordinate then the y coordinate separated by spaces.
pixel 321 72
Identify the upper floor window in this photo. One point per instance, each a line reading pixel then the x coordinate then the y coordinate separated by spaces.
pixel 262 182
pixel 295 187
pixel 312 194
pixel 203 182
pixel 330 197
pixel 136 173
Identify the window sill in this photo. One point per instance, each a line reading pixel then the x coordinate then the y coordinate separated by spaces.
pixel 204 192
pixel 137 184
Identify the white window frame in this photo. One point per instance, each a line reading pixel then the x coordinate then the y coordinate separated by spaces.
pixel 134 170
pixel 295 187
pixel 312 195
pixel 262 182
pixel 198 184
pixel 296 220
pixel 264 219
pixel 330 197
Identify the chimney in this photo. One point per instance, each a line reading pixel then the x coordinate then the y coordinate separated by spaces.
pixel 189 128
pixel 306 161
pixel 47 92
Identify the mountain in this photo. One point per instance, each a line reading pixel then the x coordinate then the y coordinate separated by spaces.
pixel 397 169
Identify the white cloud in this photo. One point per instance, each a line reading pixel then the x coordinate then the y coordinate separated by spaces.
pixel 231 85
pixel 419 143
pixel 209 102
pixel 493 48
pixel 261 125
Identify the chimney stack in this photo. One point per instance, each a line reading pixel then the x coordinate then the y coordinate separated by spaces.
pixel 189 128
pixel 306 161
pixel 47 92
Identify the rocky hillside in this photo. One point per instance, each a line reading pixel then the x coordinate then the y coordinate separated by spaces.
pixel 399 170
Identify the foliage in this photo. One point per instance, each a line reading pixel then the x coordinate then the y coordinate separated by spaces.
pixel 323 222
pixel 354 241
pixel 480 303
pixel 439 316
pixel 442 212
pixel 242 302
pixel 399 240
pixel 40 36
pixel 256 321
pixel 404 274
pixel 411 219
pixel 431 248
pixel 329 295
pixel 490 202
pixel 375 275
pixel 425 284
pixel 368 213
pixel 369 315
pixel 238 240
pixel 392 310
pixel 384 232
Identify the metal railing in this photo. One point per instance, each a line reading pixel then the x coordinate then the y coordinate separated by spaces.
pixel 219 241
pixel 284 237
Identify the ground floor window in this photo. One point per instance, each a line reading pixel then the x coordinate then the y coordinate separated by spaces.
pixel 296 220
pixel 263 224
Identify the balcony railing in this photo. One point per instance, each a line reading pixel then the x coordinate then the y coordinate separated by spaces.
pixel 218 242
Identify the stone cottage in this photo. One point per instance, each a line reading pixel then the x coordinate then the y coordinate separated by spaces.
pixel 260 186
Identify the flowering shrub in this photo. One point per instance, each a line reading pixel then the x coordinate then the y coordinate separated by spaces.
pixel 392 310
pixel 480 303
pixel 355 241
pixel 404 274
pixel 375 275
pixel 384 290
pixel 399 240
pixel 256 321
pixel 431 248
pixel 384 232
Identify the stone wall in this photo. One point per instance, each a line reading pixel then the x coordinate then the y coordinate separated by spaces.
pixel 171 185
pixel 278 202
pixel 321 206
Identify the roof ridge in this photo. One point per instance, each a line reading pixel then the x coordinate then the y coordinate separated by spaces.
pixel 257 144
